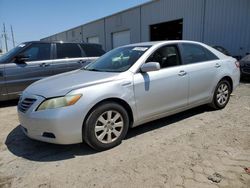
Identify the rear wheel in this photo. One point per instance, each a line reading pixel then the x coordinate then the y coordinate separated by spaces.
pixel 106 126
pixel 221 94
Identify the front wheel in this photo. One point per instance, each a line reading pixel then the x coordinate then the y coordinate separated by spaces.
pixel 221 94
pixel 106 126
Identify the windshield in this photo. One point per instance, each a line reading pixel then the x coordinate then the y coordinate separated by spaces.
pixel 118 60
pixel 10 53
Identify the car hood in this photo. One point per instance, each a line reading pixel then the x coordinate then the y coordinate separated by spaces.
pixel 61 84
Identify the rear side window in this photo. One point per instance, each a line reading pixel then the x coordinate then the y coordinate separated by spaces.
pixel 68 51
pixel 92 50
pixel 38 52
pixel 193 53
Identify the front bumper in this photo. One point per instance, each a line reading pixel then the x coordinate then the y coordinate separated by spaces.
pixel 58 126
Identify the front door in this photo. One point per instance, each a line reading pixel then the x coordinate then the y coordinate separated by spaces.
pixel 19 75
pixel 162 91
pixel 3 92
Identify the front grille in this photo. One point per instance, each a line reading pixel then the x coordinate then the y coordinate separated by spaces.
pixel 24 105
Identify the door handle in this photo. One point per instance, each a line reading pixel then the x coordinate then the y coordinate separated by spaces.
pixel 217 65
pixel 44 65
pixel 182 73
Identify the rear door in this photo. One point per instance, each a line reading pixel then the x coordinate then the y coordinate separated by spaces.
pixel 68 57
pixel 19 75
pixel 202 67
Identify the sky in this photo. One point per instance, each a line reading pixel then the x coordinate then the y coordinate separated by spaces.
pixel 36 19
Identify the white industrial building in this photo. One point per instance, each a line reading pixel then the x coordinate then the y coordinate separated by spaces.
pixel 215 22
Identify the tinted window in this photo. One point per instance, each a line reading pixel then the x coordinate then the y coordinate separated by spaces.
pixel 68 51
pixel 10 54
pixel 92 50
pixel 38 52
pixel 193 53
pixel 167 56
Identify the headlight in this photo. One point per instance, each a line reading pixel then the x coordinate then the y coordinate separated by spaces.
pixel 59 102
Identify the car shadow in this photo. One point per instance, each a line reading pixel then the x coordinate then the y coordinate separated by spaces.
pixel 147 127
pixel 21 146
pixel 10 103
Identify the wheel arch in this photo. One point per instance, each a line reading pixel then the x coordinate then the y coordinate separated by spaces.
pixel 229 79
pixel 119 101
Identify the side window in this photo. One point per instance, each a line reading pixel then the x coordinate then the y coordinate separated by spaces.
pixel 38 52
pixel 67 50
pixel 193 53
pixel 167 56
pixel 92 50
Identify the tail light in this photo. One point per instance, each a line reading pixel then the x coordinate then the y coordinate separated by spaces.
pixel 237 64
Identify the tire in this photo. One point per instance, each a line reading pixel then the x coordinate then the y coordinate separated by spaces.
pixel 106 126
pixel 221 95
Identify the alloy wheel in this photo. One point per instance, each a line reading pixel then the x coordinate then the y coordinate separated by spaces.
pixel 109 126
pixel 222 94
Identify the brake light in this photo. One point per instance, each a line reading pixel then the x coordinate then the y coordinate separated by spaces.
pixel 237 64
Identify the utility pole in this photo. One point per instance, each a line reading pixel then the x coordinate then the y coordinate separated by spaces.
pixel 12 34
pixel 5 38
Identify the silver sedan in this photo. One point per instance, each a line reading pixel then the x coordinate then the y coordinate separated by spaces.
pixel 124 88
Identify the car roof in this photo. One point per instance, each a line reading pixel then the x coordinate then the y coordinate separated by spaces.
pixel 162 42
pixel 46 42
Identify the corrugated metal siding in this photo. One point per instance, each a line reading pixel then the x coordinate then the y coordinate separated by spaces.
pixel 215 22
pixel 47 39
pixel 94 29
pixel 167 10
pixel 74 35
pixel 227 23
pixel 62 36
pixel 128 20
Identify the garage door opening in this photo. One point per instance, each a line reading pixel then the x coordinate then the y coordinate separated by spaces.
pixel 166 31
pixel 94 40
pixel 120 38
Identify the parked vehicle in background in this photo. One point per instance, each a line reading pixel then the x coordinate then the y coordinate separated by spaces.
pixel 222 50
pixel 245 66
pixel 126 87
pixel 31 61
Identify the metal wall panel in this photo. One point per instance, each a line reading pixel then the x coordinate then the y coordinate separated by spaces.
pixel 215 22
pixel 75 34
pixel 227 23
pixel 47 39
pixel 127 20
pixel 61 36
pixel 94 29
pixel 191 11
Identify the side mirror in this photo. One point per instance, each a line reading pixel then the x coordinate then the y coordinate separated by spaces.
pixel 22 58
pixel 151 66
